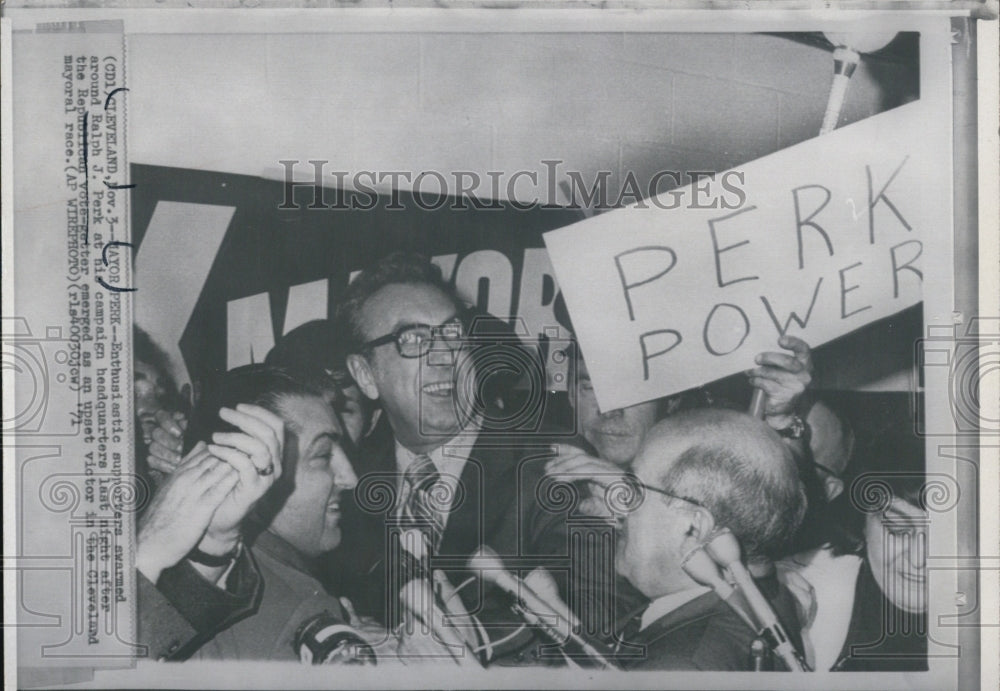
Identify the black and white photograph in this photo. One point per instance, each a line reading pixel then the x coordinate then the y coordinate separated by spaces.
pixel 474 346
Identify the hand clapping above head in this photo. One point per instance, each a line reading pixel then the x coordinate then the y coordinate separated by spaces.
pixel 203 502
pixel 181 510
pixel 255 453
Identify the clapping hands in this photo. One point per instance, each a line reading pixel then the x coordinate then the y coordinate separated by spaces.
pixel 205 498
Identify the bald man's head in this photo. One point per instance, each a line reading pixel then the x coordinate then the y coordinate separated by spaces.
pixel 736 466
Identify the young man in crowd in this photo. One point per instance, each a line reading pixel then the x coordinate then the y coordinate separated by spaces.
pixel 319 347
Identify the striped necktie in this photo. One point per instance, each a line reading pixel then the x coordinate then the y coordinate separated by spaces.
pixel 421 510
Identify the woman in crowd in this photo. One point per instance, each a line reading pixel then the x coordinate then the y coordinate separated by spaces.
pixel 870 579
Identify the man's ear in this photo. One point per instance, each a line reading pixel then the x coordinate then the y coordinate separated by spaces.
pixel 701 526
pixel 361 370
pixel 833 487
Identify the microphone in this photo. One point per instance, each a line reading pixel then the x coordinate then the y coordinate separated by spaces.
pixel 760 656
pixel 323 639
pixel 724 549
pixel 413 542
pixel 535 610
pixel 757 404
pixel 544 586
pixel 418 598
pixel 703 571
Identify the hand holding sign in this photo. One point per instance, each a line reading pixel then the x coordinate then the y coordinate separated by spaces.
pixel 784 378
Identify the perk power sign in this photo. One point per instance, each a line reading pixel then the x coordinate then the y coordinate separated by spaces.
pixel 827 240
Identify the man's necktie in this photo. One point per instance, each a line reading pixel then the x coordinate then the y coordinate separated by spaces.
pixel 420 510
pixel 630 632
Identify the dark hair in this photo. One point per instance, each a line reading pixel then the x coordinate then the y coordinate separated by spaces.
pixel 145 349
pixel 393 269
pixel 889 466
pixel 761 506
pixel 315 346
pixel 818 524
pixel 256 384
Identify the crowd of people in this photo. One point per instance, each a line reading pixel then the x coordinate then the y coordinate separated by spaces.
pixel 361 496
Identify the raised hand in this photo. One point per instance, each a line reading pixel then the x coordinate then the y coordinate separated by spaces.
pixel 181 511
pixel 784 378
pixel 255 454
pixel 168 441
pixel 572 464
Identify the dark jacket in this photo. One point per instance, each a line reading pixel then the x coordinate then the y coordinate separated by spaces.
pixel 505 503
pixel 705 634
pixel 881 637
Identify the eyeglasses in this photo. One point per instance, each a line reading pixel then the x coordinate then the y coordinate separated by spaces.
pixel 641 486
pixel 415 340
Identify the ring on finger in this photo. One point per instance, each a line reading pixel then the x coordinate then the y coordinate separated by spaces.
pixel 264 472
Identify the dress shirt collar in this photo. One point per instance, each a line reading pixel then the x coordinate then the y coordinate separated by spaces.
pixel 449 458
pixel 447 461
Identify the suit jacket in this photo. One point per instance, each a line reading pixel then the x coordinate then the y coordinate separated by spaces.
pixel 504 501
pixel 705 634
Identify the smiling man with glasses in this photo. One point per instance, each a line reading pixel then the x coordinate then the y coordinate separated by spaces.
pixel 393 314
pixel 454 477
